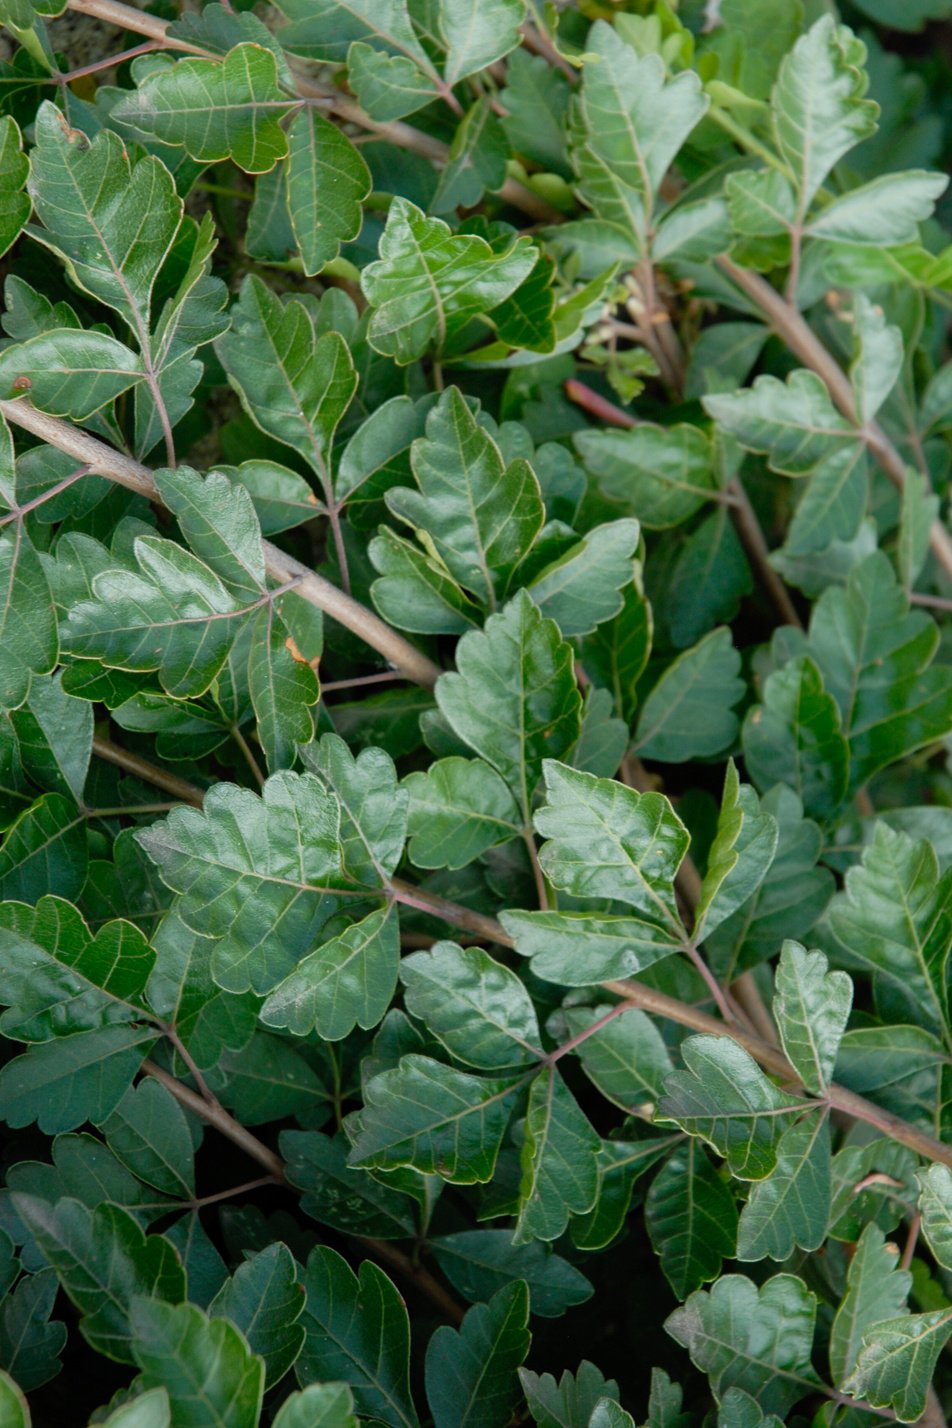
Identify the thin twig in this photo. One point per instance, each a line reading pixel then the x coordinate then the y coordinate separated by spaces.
pixel 248 755
pixel 103 460
pixel 149 773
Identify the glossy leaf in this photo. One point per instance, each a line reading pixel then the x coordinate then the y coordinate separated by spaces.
pixel 811 1006
pixel 471 1372
pixel 264 1300
pixel 475 1006
pixel 204 1365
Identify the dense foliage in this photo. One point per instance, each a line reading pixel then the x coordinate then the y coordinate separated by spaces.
pixel 475 706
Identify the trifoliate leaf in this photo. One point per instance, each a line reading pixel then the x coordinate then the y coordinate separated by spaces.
pixel 811 1006
pixel 104 1260
pixel 725 1098
pixel 215 109
pixel 471 1376
pixel 204 1364
pixel 357 1331
pixel 691 1217
pixel 428 282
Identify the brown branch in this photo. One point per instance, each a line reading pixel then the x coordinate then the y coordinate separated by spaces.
pixel 149 773
pixel 404 136
pixel 105 461
pixel 790 325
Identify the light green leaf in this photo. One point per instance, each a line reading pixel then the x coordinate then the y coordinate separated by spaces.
pixel 148 1133
pixel 434 1118
pixel 475 1006
pixel 811 1006
pixel 897 1360
pixel 14 204
pixel 479 1262
pixel 480 514
pixel 876 1289
pixel 416 591
pixel 206 1367
pixel 327 183
pixel 817 104
pixel 832 504
pixel 325 29
pixel 477 33
pixel 28 638
pixel 320 1405
pixel 791 1207
pixel 536 99
pixel 724 1097
pixel 60 1084
pixel 795 737
pixel 264 1299
pixel 357 1331
pixel 146 1410
pixel 795 422
pixel 477 162
pixel 761 204
pixel 583 949
pixel 607 841
pixel 626 1058
pixel 388 86
pixel 626 129
pixel 68 372
pixel 616 653
pixel 218 519
pixel 877 357
pixel 471 1379
pixel 514 700
pixel 373 808
pixel 14 1409
pixel 920 507
pixel 757 1339
pixel 347 982
pixel 743 849
pixel 429 283
pixel 559 1161
pixel 892 920
pixel 260 875
pixel 583 588
pixel 181 991
pixel 284 688
pixel 884 212
pixel 662 474
pixel 103 1260
pixel 458 808
pixel 691 1217
pixel 294 384
pixel 935 1207
pixel 215 109
pixel 689 712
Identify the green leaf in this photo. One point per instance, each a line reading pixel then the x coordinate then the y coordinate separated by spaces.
pixel 606 840
pixel 320 1405
pixel 227 109
pixel 569 1403
pixel 833 503
pixel 479 1262
pixel 347 982
pixel 626 130
pixel 373 807
pixel 892 920
pixel 756 1339
pixel 258 874
pixel 30 1345
pixel 104 1260
pixel 46 847
pixel 477 33
pixel 817 104
pixel 514 700
pixel 897 1360
pixel 458 808
pixel 13 1405
pixel 725 1098
pixel 791 1207
pixel 811 1007
pixel 264 1299
pixel 325 29
pixel 626 1058
pixel 743 849
pixel 796 737
pixel 416 591
pixel 60 1084
pixel 28 638
pixel 583 588
pixel 283 687
pixel 583 949
pixel 689 712
pixel 146 1410
pixel 327 183
pixel 662 474
pixel 795 422
pixel 68 373
pixel 475 1006
pixel 206 1367
pixel 477 162
pixel 616 653
pixel 877 357
pixel 559 1161
pixel 208 1020
pixel 58 978
pixel 336 1195
pixel 536 99
pixel 691 1217
pixel 428 282
pixel 471 1372
pixel 481 515
pixel 148 1132
pixel 935 1207
pixel 434 1118
pixel 357 1331
pixel 219 522
pixel 14 206
pixel 876 1289
pixel 55 736
pixel 294 383
pixel 919 509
